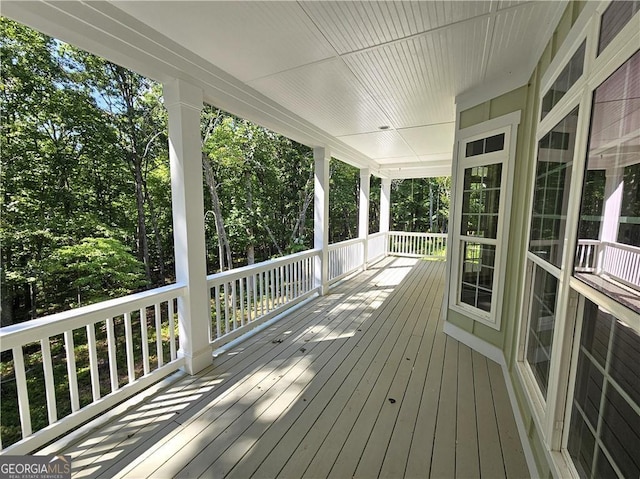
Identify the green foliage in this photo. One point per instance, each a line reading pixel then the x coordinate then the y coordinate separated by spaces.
pixel 420 204
pixel 81 142
pixel 94 270
pixel 263 181
pixel 344 190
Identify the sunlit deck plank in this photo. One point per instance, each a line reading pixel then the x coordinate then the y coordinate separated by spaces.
pixel 245 384
pixel 512 454
pixel 443 462
pixel 301 442
pixel 126 438
pixel 491 463
pixel 467 460
pixel 317 403
pixel 352 421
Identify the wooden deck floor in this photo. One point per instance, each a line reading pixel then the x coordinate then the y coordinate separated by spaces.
pixel 359 383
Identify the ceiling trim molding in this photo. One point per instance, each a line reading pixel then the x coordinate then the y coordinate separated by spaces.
pixel 418 172
pixel 105 30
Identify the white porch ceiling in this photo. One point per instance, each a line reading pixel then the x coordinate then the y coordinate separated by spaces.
pixel 341 69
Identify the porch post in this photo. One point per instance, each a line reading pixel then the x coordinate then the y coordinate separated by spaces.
pixel 184 105
pixel 385 209
pixel 363 213
pixel 612 204
pixel 321 158
pixel 385 204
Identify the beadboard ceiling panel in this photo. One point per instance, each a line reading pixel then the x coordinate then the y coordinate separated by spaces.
pixel 431 139
pixel 328 95
pixel 514 37
pixel 416 80
pixel 352 26
pixel 329 73
pixel 248 39
pixel 380 145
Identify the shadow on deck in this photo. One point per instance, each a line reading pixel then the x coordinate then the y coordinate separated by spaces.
pixel 359 383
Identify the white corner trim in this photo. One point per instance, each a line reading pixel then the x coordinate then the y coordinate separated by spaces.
pixel 495 354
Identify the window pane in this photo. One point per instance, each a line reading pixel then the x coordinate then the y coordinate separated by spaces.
pixel 606 394
pixel 614 18
pixel 494 143
pixel 569 75
pixel 621 433
pixel 475 148
pixel 609 230
pixel 551 196
pixel 477 275
pixel 625 360
pixel 485 145
pixel 481 201
pixel 603 467
pixel 581 445
pixel 541 325
pixel 591 208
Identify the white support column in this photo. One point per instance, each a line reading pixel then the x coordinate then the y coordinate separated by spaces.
pixel 385 209
pixel 385 204
pixel 184 105
pixel 321 157
pixel 612 204
pixel 363 213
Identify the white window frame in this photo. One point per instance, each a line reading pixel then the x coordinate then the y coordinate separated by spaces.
pixel 551 416
pixel 507 124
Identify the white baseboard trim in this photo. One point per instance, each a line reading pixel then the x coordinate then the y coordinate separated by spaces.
pixel 495 354
pixel 465 337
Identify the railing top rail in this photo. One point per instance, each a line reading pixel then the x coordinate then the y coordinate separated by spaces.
pixel 626 247
pixel 36 329
pixel 587 242
pixel 243 271
pixel 378 234
pixel 412 233
pixel 342 244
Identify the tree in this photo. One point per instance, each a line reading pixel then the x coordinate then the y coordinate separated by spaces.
pixel 69 161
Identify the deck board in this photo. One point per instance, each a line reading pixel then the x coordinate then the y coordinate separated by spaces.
pixel 358 383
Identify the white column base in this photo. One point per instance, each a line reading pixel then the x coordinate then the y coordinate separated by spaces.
pixel 196 362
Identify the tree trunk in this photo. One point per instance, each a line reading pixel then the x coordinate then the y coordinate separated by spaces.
pixel 251 249
pixel 223 242
pixel 430 206
pixel 302 218
pixel 143 245
pixel 156 232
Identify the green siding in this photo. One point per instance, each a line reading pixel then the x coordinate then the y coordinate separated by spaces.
pixel 526 99
pixel 515 100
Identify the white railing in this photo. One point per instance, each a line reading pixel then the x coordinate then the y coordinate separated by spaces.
pixel 100 354
pixel 621 262
pixel 376 247
pixel 78 364
pixel 587 256
pixel 243 298
pixel 618 261
pixel 345 258
pixel 417 244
